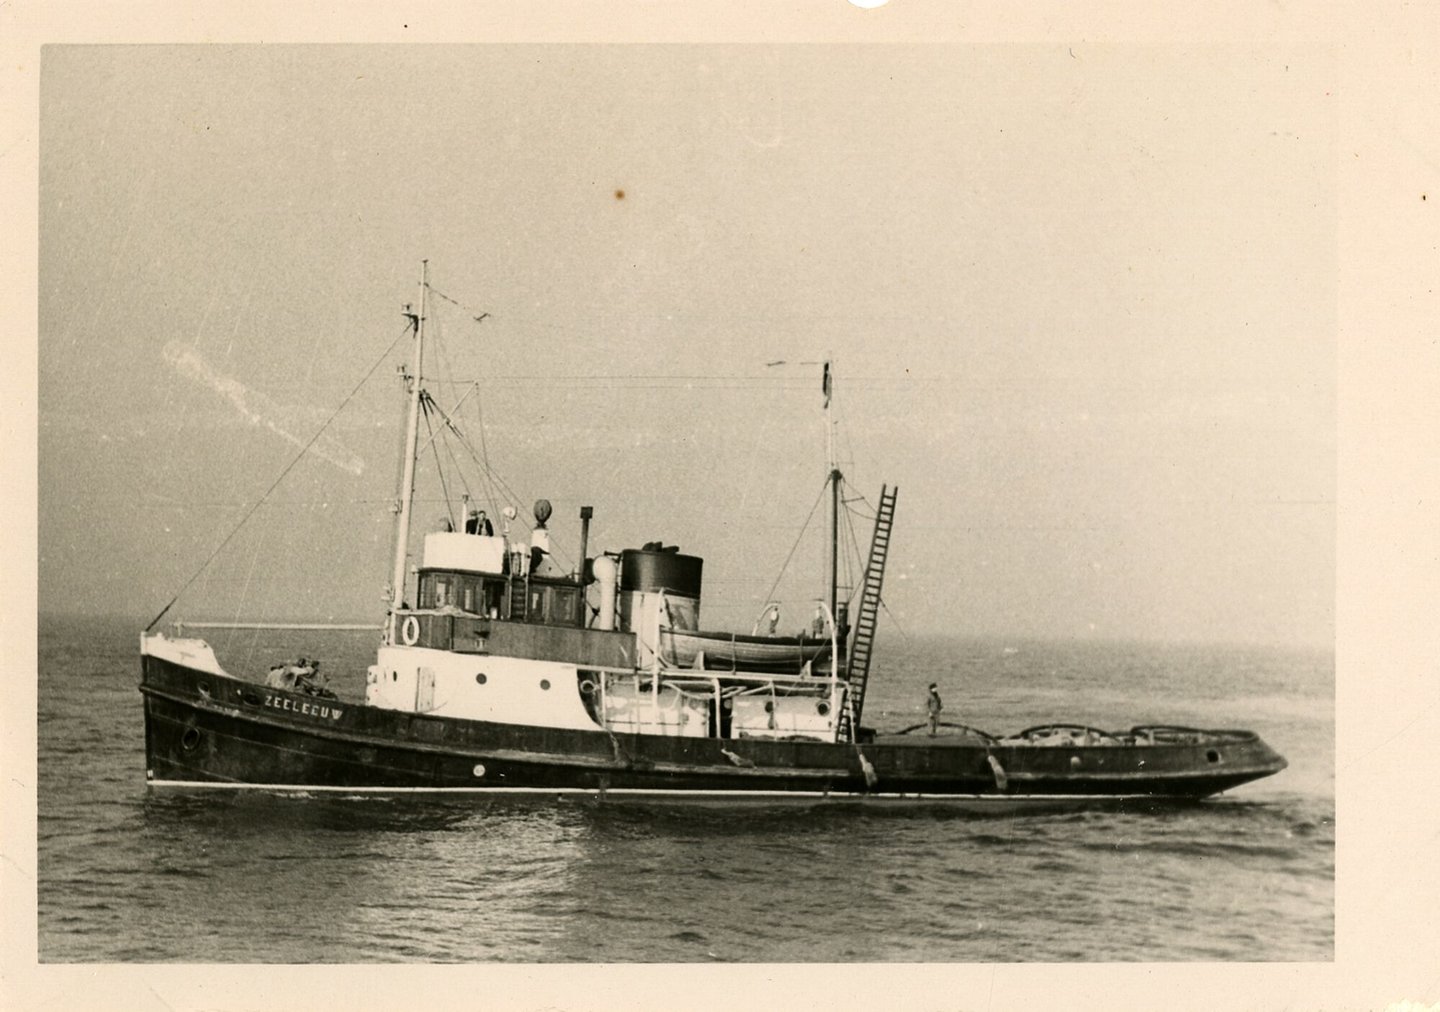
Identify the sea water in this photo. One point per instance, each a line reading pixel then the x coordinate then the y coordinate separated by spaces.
pixel 130 873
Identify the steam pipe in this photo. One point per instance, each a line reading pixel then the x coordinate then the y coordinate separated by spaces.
pixel 586 512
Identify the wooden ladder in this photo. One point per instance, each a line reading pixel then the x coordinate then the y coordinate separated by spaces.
pixel 858 672
pixel 519 598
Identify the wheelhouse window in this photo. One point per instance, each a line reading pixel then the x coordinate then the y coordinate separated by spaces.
pixel 469 593
pixel 554 605
pixel 563 605
pixel 492 595
pixel 548 604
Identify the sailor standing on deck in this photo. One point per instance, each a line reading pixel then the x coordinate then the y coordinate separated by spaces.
pixel 933 704
pixel 479 523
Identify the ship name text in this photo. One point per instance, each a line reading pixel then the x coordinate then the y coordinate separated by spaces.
pixel 308 709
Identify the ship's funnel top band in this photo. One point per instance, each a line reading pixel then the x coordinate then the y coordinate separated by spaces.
pixel 653 569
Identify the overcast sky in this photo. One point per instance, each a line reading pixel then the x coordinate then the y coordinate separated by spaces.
pixel 1081 303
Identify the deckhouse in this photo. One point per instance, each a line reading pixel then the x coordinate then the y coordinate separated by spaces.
pixel 501 632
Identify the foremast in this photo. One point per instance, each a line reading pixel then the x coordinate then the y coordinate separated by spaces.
pixel 407 480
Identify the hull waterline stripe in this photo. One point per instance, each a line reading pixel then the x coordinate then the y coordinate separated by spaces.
pixel 659 792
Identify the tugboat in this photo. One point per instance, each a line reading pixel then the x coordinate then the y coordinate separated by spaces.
pixel 511 674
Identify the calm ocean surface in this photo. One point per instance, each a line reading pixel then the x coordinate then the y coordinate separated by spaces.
pixel 133 874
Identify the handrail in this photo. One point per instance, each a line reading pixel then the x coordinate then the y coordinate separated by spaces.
pixel 302 626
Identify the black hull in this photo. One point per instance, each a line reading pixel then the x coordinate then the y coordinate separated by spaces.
pixel 205 729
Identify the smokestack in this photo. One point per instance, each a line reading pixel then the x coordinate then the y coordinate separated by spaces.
pixel 586 512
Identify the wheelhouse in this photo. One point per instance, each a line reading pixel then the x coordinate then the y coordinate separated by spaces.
pixel 535 599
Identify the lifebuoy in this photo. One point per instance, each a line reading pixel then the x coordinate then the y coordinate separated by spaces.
pixel 410 631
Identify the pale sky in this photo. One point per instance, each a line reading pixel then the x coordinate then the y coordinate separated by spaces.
pixel 1081 302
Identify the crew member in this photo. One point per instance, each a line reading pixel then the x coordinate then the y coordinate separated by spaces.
pixel 313 683
pixel 479 523
pixel 934 706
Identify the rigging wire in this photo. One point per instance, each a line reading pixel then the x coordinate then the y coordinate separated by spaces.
pixel 464 481
pixel 427 405
pixel 770 594
pixel 493 479
pixel 438 438
pixel 485 453
pixel 497 488
pixel 854 554
pixel 492 498
pixel 891 615
pixel 858 497
pixel 633 379
pixel 442 357
pixel 276 484
pixel 510 496
pixel 853 561
pixel 244 595
pixel 476 315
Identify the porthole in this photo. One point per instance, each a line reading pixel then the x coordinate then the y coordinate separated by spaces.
pixel 822 708
pixel 1213 756
pixel 190 739
pixel 478 770
pixel 587 687
pixel 544 683
pixel 480 678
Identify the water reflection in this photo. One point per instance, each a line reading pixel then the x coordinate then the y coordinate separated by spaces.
pixel 259 876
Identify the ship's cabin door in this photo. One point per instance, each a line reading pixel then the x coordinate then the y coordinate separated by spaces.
pixel 424 690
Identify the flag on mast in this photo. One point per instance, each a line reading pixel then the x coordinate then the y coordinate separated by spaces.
pixel 825 384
